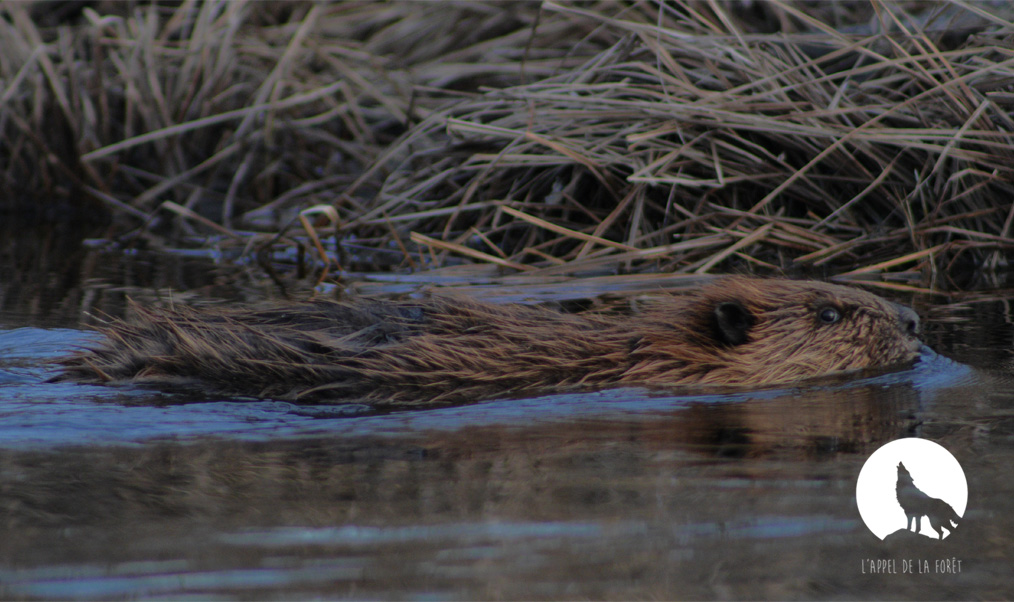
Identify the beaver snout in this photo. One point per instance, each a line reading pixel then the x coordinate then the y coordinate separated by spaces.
pixel 908 319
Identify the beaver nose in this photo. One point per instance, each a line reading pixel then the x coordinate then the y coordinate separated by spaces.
pixel 907 319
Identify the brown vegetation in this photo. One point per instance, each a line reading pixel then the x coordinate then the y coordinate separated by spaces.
pixel 852 140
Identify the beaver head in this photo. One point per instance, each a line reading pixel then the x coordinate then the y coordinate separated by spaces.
pixel 749 330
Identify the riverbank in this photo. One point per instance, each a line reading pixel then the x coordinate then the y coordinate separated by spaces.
pixel 314 141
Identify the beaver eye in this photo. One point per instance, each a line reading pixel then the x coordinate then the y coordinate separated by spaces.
pixel 829 315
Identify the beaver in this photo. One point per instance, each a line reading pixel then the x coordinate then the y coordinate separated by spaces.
pixel 737 331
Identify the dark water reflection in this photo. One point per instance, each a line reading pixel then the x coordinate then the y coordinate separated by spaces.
pixel 125 493
pixel 122 493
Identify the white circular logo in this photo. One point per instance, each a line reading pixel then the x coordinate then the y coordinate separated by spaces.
pixel 914 485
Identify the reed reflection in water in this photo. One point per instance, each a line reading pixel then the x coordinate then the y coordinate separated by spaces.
pixel 742 498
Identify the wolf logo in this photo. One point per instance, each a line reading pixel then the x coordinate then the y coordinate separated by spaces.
pixel 917 504
pixel 885 491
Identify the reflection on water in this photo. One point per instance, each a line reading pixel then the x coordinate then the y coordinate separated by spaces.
pixel 110 493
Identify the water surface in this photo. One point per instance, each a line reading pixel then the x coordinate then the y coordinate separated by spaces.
pixel 131 493
pixel 119 492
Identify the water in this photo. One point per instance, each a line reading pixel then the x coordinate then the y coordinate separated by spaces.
pixel 129 493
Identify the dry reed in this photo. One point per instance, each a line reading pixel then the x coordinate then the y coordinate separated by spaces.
pixel 860 141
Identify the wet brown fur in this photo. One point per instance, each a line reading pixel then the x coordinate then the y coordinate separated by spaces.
pixel 453 349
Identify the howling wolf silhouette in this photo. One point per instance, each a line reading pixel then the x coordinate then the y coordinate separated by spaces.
pixel 917 504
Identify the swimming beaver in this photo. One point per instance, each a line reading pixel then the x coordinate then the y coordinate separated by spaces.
pixel 737 331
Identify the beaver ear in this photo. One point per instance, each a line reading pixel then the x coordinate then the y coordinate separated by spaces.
pixel 732 322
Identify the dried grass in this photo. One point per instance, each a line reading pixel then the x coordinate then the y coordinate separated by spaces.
pixel 862 141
